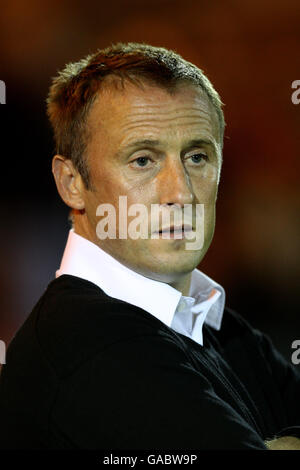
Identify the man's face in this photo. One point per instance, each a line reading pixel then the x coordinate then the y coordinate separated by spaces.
pixel 154 148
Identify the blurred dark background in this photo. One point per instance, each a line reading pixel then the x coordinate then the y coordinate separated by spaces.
pixel 250 50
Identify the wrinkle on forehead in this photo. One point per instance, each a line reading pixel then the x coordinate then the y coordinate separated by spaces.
pixel 124 114
pixel 158 123
pixel 168 134
pixel 166 115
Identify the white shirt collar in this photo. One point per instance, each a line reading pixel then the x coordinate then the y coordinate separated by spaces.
pixel 86 260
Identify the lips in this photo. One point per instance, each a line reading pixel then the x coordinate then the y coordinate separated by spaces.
pixel 176 228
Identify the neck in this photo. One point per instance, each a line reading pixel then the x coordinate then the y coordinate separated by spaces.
pixel 183 284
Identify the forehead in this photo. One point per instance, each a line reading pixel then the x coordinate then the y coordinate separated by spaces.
pixel 121 115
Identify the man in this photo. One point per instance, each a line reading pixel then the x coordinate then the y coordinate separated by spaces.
pixel 130 346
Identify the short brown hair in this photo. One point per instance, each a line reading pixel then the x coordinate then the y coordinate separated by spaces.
pixel 74 90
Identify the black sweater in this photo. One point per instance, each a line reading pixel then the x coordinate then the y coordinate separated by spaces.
pixel 87 371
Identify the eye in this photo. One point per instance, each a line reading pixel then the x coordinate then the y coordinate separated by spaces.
pixel 141 161
pixel 198 158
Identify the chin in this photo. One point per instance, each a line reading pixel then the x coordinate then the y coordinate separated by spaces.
pixel 173 264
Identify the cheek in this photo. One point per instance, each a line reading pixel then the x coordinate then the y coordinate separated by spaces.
pixel 205 191
pixel 108 186
pixel 91 207
pixel 141 194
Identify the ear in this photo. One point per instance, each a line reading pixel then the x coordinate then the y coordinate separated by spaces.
pixel 68 182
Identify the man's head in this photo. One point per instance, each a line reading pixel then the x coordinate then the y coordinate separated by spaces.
pixel 137 121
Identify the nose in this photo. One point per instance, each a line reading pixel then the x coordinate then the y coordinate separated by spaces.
pixel 174 184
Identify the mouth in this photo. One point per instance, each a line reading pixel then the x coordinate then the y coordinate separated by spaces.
pixel 173 231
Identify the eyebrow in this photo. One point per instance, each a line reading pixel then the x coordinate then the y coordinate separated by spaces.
pixel 156 143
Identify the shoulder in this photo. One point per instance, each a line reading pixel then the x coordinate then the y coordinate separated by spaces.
pixel 255 348
pixel 238 334
pixel 234 325
pixel 75 320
